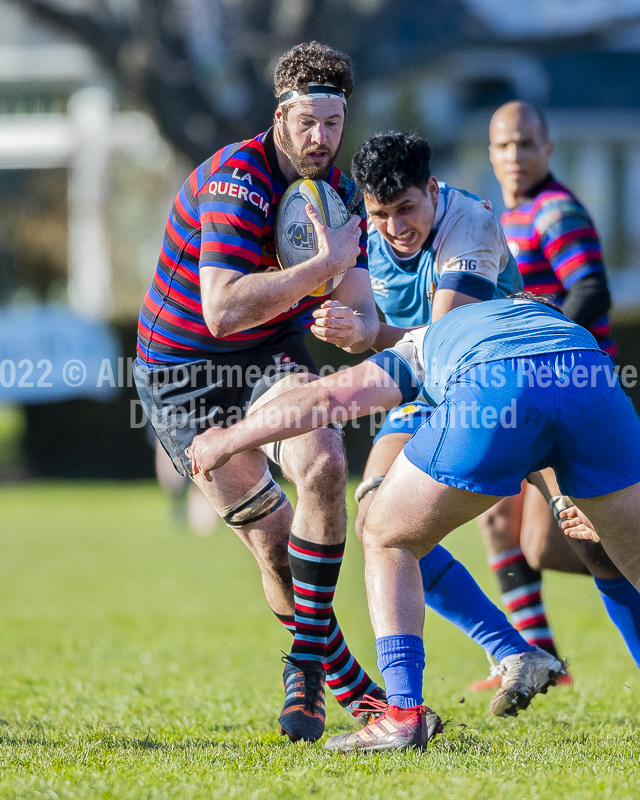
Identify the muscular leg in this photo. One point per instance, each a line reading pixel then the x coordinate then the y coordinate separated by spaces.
pixel 382 455
pixel 620 598
pixel 542 541
pixel 266 539
pixel 546 546
pixel 449 589
pixel 500 525
pixel 316 464
pixel 615 517
pixel 409 515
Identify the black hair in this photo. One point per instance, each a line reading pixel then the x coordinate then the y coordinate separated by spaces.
pixel 390 163
pixel 537 297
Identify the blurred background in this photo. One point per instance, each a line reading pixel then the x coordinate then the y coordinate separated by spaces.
pixel 106 105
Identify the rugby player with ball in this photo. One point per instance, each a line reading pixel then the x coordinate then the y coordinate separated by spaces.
pixel 221 332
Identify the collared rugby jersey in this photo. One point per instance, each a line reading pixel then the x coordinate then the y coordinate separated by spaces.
pixel 224 217
pixel 466 251
pixel 555 244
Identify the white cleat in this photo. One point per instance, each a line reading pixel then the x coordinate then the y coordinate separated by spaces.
pixel 523 677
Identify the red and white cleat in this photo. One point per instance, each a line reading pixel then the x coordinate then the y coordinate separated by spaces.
pixel 397 729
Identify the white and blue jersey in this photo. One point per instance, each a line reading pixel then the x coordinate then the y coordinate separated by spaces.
pixel 466 251
pixel 518 387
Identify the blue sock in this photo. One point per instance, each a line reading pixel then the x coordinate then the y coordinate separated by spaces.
pixel 622 601
pixel 401 663
pixel 451 591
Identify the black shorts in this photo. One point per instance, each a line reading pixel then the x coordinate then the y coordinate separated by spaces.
pixel 183 400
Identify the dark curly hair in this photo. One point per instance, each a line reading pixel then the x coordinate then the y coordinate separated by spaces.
pixel 390 163
pixel 312 62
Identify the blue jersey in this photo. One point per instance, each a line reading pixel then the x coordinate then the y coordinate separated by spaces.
pixel 425 360
pixel 466 251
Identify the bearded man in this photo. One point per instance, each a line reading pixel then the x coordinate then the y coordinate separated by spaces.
pixel 222 331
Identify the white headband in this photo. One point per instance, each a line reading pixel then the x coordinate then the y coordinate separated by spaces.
pixel 312 91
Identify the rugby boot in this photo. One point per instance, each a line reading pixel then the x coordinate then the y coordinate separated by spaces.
pixel 303 714
pixel 523 677
pixel 494 681
pixel 366 715
pixel 396 729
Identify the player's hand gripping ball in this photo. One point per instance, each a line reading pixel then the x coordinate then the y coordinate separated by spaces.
pixel 295 235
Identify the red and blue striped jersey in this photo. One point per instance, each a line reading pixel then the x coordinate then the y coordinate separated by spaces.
pixel 224 217
pixel 555 243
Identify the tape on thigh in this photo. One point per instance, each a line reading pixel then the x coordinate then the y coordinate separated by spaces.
pixel 370 485
pixel 274 450
pixel 560 503
pixel 260 501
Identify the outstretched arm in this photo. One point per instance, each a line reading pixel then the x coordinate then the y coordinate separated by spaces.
pixel 351 393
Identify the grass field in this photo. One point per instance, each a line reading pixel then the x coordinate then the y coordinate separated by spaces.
pixel 139 661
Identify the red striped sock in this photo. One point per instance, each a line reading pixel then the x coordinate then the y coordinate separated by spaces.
pixel 314 569
pixel 347 680
pixel 521 589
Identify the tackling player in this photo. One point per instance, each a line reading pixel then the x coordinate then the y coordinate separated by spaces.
pixel 221 331
pixel 558 254
pixel 517 387
pixel 431 248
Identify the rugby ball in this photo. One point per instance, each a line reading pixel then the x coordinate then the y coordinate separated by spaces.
pixel 295 234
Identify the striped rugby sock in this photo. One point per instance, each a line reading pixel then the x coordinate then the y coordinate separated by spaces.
pixel 314 569
pixel 345 677
pixel 521 587
pixel 347 680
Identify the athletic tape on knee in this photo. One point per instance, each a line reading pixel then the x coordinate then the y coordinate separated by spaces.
pixel 260 501
pixel 274 450
pixel 370 485
pixel 560 503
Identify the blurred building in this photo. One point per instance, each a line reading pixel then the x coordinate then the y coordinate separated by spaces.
pixel 84 189
pixel 84 185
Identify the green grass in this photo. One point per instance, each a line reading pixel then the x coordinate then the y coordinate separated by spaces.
pixel 138 661
pixel 12 426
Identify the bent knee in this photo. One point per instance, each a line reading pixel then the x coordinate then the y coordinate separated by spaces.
pixel 319 469
pixel 378 536
pixel 536 559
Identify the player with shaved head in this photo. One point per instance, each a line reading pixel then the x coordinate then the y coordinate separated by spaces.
pixel 221 331
pixel 558 253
